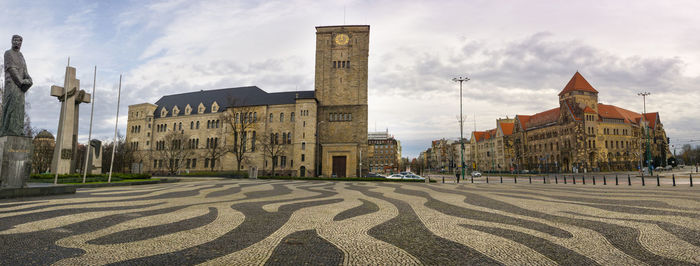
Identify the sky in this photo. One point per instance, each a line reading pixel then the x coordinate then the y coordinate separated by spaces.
pixel 517 54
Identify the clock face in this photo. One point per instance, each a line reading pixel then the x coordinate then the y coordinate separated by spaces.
pixel 342 39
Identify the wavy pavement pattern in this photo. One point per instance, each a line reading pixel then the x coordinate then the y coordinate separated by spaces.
pixel 243 222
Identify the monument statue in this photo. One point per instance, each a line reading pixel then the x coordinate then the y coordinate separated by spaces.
pixel 17 82
pixel 15 148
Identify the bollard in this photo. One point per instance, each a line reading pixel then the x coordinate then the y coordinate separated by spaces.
pixel 616 183
pixel 593 180
pixel 564 180
pixel 674 180
pixel 544 180
pixel 472 179
pixel 515 179
pixel 691 179
pixel 605 180
pixel 573 177
pixel 443 179
pixel 629 180
pixel 487 179
pixel 583 177
pixel 556 180
pixel 643 184
pixel 501 179
pixel 658 183
pixel 530 178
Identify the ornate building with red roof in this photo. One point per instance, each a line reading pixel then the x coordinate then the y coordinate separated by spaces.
pixel 584 135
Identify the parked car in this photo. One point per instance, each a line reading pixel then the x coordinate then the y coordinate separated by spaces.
pixel 476 174
pixel 412 176
pixel 395 176
pixel 375 175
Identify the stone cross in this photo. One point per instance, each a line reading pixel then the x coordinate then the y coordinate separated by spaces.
pixel 64 160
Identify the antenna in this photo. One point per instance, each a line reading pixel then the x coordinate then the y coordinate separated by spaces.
pixel 68 61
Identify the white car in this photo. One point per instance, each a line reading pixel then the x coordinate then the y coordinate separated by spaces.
pixel 476 174
pixel 412 176
pixel 395 176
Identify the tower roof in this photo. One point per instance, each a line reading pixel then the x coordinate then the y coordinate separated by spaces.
pixel 577 83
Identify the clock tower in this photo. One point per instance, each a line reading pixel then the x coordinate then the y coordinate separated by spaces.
pixel 341 91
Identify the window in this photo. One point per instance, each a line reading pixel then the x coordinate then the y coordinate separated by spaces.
pixel 194 163
pixel 252 143
pixel 197 125
pixel 192 125
pixel 302 157
pixel 270 117
pixel 255 117
pixel 303 146
pixel 206 162
pixel 281 117
pixel 289 138
pixel 291 117
pixel 283 161
pixel 277 136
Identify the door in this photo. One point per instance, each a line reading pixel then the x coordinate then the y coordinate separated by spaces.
pixel 302 171
pixel 339 166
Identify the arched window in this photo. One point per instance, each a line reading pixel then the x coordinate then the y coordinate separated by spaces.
pixel 192 125
pixel 281 117
pixel 197 125
pixel 289 138
pixel 284 138
pixel 270 117
pixel 208 123
pixel 291 117
pixel 180 126
pixel 277 136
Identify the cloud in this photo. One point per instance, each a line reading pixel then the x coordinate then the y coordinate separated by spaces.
pixel 518 58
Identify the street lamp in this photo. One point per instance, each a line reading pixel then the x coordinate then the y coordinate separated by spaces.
pixel 644 98
pixel 461 122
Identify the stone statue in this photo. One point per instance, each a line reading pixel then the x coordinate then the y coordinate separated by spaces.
pixel 17 82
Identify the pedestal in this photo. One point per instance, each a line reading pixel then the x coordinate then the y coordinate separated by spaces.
pixel 15 161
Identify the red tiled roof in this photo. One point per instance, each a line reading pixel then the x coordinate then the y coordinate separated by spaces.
pixel 589 110
pixel 479 135
pixel 652 118
pixel 614 112
pixel 524 119
pixel 543 118
pixel 507 128
pixel 577 83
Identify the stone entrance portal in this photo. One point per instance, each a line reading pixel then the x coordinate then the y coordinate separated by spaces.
pixel 339 166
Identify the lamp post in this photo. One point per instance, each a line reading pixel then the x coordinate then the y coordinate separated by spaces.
pixel 461 122
pixel 646 136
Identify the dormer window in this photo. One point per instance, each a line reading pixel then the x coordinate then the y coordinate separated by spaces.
pixel 201 108
pixel 163 112
pixel 176 111
pixel 188 110
pixel 214 107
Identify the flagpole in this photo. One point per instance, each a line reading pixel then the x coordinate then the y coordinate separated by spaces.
pixel 116 126
pixel 61 124
pixel 92 111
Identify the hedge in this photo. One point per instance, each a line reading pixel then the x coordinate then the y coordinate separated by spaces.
pixel 360 179
pixel 77 178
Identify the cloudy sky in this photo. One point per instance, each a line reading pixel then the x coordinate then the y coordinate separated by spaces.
pixel 518 55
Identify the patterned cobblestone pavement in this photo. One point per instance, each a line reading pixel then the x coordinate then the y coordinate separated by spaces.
pixel 273 222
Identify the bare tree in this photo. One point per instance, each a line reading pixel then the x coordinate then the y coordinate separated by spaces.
pixel 272 147
pixel 172 149
pixel 241 121
pixel 215 150
pixel 123 156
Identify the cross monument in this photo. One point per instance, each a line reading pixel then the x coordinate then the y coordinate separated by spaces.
pixel 65 158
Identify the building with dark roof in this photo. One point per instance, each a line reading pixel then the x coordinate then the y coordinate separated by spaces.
pixel 301 133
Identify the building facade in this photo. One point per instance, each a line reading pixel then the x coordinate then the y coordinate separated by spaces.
pixel 583 135
pixel 302 133
pixel 384 154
